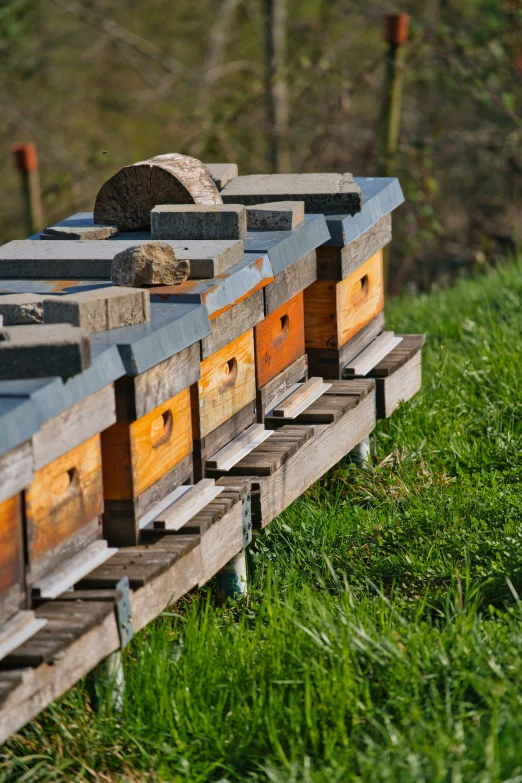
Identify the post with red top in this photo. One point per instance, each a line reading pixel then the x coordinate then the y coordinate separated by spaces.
pixel 396 36
pixel 26 161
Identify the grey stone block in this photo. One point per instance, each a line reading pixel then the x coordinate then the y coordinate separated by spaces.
pixel 198 221
pixel 43 351
pixel 79 232
pixel 84 260
pixel 99 309
pixel 222 173
pixel 21 309
pixel 152 263
pixel 322 193
pixel 276 215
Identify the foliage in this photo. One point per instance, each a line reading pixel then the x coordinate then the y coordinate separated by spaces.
pixel 102 83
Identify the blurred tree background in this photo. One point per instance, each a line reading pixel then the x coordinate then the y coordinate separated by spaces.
pixel 98 84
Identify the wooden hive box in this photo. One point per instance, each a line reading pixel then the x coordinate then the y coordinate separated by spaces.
pixel 336 311
pixel 147 453
pixel 63 504
pixel 344 309
pixel 17 422
pixel 223 400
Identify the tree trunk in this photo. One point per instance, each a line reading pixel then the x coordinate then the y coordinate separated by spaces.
pixel 125 200
pixel 276 15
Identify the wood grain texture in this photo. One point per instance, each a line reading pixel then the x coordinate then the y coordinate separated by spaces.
pixel 279 340
pixel 136 454
pixel 63 497
pixel 74 426
pixel 215 440
pixel 126 199
pixel 16 470
pixel 330 362
pixel 410 345
pixel 337 263
pixel 140 394
pixel 329 444
pixel 227 384
pixel 232 323
pixel 121 518
pixel 12 588
pixel 269 394
pixel 335 312
pixel 291 281
pixel 398 387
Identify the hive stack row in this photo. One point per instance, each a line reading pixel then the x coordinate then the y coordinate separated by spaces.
pixel 144 432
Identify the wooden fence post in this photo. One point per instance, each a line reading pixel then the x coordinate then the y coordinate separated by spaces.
pixel 26 161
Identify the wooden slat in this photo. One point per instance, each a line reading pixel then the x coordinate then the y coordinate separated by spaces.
pixel 410 345
pixel 189 504
pixel 330 362
pixel 17 630
pixel 72 571
pixel 328 444
pixel 304 395
pixel 270 455
pixel 238 448
pixel 364 362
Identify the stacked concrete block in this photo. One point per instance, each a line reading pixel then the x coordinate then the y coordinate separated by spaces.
pixel 194 221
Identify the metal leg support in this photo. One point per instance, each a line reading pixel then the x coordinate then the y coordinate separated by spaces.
pixel 360 454
pixel 231 581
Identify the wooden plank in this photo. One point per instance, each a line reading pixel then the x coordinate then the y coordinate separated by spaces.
pixel 138 395
pixel 330 362
pixel 275 390
pixel 337 263
pixel 122 518
pixel 64 497
pixel 66 622
pixel 291 281
pixel 328 444
pixel 189 504
pixel 399 386
pixel 74 426
pixel 12 570
pixel 410 345
pixel 269 456
pixel 279 340
pixel 303 396
pixel 136 454
pixel 17 630
pixel 238 448
pixel 72 571
pixel 227 384
pixel 373 354
pixel 335 312
pixel 325 409
pixel 16 470
pixel 232 323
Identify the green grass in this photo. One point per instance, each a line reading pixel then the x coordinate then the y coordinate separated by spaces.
pixel 383 637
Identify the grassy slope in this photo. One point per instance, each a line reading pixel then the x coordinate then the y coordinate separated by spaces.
pixel 382 639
